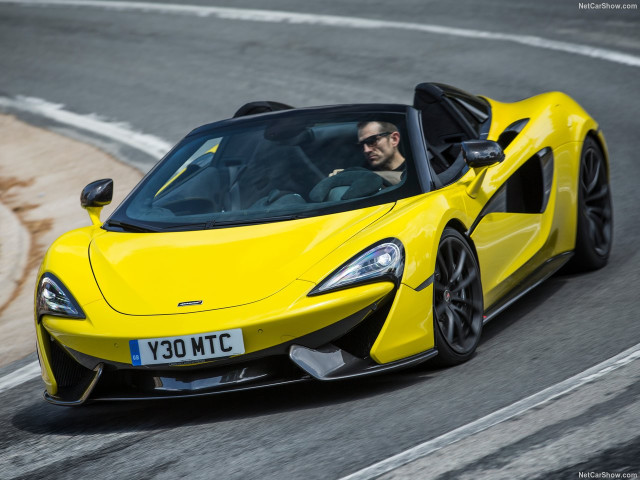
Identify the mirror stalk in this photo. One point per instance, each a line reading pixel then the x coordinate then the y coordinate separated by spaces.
pixel 474 186
pixel 94 215
pixel 95 196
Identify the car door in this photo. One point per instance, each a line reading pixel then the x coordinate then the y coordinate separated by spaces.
pixel 512 229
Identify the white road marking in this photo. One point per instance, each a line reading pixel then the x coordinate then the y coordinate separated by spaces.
pixel 272 16
pixel 498 416
pixel 120 132
pixel 19 376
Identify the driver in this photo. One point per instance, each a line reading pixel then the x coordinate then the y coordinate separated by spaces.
pixel 379 141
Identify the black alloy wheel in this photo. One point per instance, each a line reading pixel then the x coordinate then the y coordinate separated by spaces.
pixel 594 233
pixel 457 300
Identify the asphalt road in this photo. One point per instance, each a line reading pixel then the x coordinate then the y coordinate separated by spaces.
pixel 167 73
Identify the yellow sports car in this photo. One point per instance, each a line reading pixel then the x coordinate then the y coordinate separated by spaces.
pixel 325 243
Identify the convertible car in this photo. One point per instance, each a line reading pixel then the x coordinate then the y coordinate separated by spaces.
pixel 265 249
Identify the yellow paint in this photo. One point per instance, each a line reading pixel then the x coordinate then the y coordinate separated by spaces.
pixel 151 273
pixel 257 277
pixel 476 183
pixel 289 314
pixel 44 354
pixel 213 149
pixel 504 242
pixel 409 328
pixel 94 215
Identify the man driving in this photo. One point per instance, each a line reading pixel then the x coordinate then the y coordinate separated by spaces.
pixel 379 142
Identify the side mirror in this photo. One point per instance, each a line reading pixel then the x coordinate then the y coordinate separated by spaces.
pixel 481 153
pixel 95 196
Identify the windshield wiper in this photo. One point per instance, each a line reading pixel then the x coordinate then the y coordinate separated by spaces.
pixel 130 227
pixel 252 221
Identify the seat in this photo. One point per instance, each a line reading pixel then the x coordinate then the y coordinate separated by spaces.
pixel 347 185
pixel 277 199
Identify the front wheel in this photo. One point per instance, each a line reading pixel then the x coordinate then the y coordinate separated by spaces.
pixel 457 300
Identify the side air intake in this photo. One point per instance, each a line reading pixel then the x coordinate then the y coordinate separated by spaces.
pixel 511 132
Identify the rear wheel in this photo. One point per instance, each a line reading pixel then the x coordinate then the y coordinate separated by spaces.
pixel 457 300
pixel 594 234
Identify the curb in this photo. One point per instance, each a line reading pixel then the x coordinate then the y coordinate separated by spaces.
pixel 14 252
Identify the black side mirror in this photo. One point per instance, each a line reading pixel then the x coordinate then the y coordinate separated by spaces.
pixel 481 153
pixel 97 194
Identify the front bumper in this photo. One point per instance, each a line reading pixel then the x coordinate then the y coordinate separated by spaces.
pixel 335 351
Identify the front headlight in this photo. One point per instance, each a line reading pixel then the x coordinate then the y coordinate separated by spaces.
pixel 382 261
pixel 53 298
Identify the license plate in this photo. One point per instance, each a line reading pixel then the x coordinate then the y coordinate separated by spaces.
pixel 186 348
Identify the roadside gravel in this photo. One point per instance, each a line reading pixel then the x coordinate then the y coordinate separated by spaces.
pixel 41 177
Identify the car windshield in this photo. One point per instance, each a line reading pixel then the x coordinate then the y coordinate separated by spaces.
pixel 269 168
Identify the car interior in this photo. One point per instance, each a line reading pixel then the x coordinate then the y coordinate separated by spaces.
pixel 291 167
pixel 289 163
pixel 443 131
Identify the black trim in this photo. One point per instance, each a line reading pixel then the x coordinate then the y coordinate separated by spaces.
pixel 481 104
pixel 359 340
pixel 547 166
pixel 478 115
pixel 543 272
pixel 464 122
pixel 485 211
pixel 484 128
pixel 168 382
pixel 346 108
pixel 424 284
pixel 455 99
pixel 427 178
pixel 331 363
pixel 73 400
pixel 124 398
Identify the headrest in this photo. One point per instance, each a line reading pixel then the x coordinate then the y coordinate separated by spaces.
pixel 426 94
pixel 288 131
pixel 253 108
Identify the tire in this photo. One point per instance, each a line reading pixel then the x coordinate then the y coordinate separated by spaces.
pixel 594 232
pixel 457 300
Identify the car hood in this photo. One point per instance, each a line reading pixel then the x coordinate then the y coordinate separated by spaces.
pixel 152 273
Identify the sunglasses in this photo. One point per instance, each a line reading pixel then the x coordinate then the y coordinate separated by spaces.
pixel 372 140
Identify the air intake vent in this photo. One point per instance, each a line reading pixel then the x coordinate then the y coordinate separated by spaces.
pixel 67 372
pixel 511 132
pixel 359 341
